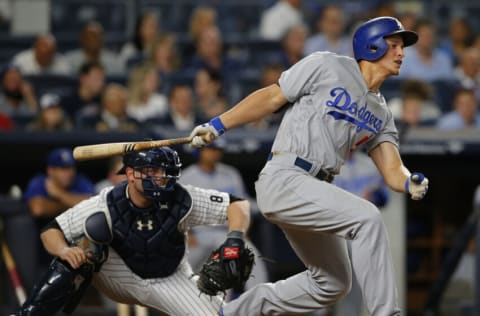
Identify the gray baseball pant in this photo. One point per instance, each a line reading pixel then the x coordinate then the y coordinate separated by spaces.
pixel 317 219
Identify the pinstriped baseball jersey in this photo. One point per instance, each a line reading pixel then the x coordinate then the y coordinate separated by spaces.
pixel 330 116
pixel 208 208
pixel 176 294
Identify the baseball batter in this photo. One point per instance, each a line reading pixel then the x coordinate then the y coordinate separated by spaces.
pixel 130 240
pixel 336 106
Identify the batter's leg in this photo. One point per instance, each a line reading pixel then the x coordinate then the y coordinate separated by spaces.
pixel 301 202
pixel 327 279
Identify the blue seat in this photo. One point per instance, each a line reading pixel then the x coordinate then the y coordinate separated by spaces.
pixel 391 88
pixel 71 16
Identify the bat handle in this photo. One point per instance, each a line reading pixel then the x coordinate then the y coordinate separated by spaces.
pixel 207 137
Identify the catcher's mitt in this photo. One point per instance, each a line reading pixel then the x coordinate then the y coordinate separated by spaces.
pixel 228 266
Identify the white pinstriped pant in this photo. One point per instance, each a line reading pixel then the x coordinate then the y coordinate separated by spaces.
pixel 176 295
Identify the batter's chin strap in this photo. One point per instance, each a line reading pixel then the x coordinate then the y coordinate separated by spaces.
pixel 61 287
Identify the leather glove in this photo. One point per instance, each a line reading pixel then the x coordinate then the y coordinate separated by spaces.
pixel 229 266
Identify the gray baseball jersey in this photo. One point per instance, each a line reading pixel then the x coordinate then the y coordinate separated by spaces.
pixel 332 114
pixel 176 294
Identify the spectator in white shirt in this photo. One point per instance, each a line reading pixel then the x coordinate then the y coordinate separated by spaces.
pixel 279 18
pixel 92 50
pixel 42 58
pixel 146 31
pixel 144 102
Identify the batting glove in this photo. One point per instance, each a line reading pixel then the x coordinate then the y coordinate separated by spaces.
pixel 215 126
pixel 416 185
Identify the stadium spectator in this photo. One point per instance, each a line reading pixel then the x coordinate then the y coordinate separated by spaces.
pixel 85 100
pixel 146 31
pixel 460 37
pixel 467 72
pixel 164 58
pixel 476 41
pixel 51 116
pixel 42 58
pixel 6 123
pixel 201 18
pixel 329 36
pixel 114 115
pixel 92 50
pixel 270 74
pixel 408 19
pixel 293 44
pixel 465 113
pixel 209 54
pixel 416 95
pixel 276 20
pixel 50 194
pixel 425 61
pixel 210 101
pixel 17 96
pixel 144 102
pixel 112 177
pixel 181 114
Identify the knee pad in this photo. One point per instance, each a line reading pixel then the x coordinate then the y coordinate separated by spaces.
pixel 60 287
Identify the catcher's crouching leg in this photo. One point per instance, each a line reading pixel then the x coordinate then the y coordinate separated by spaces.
pixel 61 286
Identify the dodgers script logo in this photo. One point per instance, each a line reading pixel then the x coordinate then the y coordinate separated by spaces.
pixel 361 117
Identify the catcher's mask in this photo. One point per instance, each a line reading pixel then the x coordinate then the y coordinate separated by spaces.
pixel 153 166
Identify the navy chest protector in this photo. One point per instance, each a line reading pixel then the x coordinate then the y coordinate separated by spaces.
pixel 148 240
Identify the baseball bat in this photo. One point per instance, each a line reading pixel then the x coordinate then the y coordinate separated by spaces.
pixel 12 269
pixel 123 309
pixel 90 152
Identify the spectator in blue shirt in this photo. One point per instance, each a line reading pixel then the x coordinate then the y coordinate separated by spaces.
pixel 60 188
pixel 330 33
pixel 426 61
pixel 50 194
pixel 209 53
pixel 465 113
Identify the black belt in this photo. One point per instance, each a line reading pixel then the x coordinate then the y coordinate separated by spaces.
pixel 307 166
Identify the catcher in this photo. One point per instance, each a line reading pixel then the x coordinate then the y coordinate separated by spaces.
pixel 129 241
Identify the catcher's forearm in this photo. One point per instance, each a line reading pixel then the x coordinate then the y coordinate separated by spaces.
pixel 54 241
pixel 238 214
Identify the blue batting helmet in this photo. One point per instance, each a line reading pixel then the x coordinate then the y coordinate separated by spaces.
pixel 164 158
pixel 369 39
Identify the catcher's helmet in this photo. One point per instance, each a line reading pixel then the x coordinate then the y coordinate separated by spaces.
pixel 164 158
pixel 369 39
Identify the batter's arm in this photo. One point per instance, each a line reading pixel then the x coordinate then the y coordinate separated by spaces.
pixel 389 163
pixel 254 107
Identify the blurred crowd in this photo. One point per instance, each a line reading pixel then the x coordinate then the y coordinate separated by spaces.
pixel 177 79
